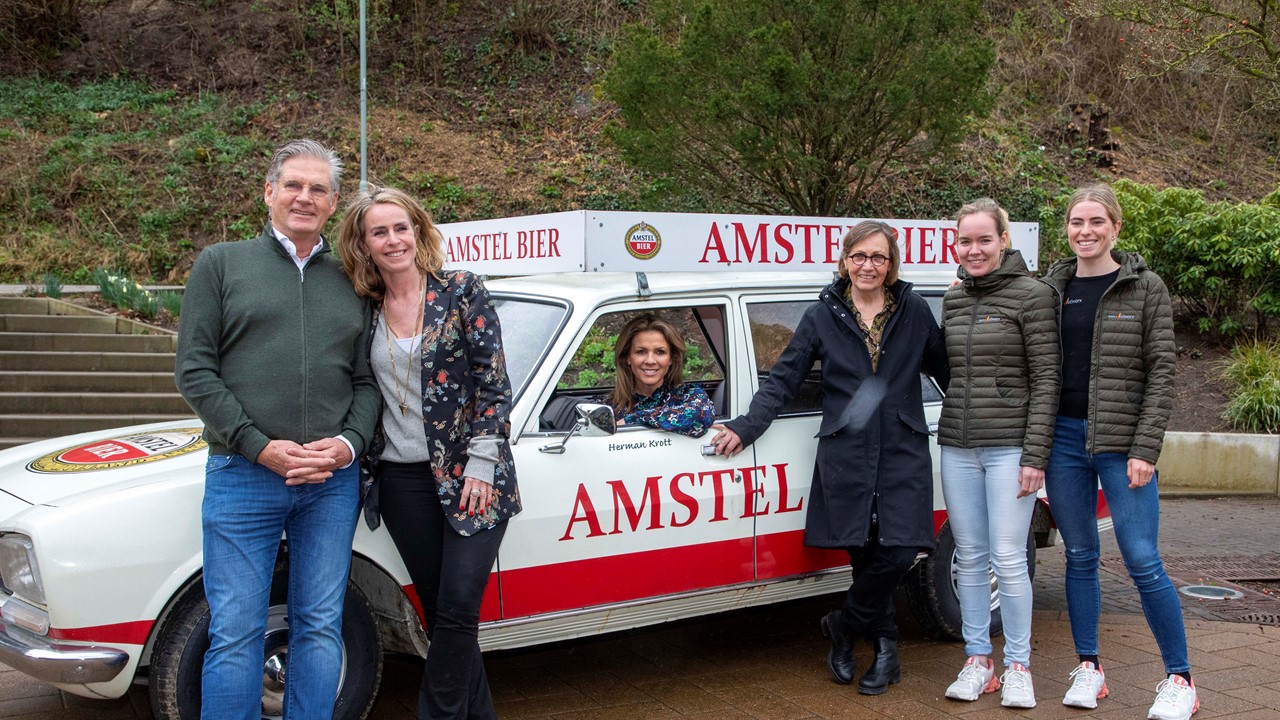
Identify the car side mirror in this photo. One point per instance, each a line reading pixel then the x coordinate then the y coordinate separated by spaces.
pixel 593 421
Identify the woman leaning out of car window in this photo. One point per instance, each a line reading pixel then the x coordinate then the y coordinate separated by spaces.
pixel 649 358
pixel 1117 395
pixel 1001 327
pixel 444 480
pixel 872 490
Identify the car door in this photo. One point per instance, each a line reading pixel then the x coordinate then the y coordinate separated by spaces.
pixel 784 456
pixel 639 514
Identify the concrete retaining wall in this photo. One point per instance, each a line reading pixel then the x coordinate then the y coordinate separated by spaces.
pixel 1220 464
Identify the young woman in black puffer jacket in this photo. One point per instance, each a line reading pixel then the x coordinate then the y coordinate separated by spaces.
pixel 1117 394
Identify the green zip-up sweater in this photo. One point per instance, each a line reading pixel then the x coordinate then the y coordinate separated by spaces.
pixel 266 352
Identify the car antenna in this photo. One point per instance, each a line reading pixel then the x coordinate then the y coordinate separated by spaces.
pixel 642 285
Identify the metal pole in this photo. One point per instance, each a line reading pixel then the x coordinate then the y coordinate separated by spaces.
pixel 364 105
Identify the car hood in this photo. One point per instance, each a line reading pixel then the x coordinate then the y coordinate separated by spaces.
pixel 67 469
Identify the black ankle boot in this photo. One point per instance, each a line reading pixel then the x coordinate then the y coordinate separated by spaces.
pixel 885 671
pixel 840 655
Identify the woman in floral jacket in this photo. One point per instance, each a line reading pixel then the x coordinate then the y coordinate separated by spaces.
pixel 444 480
pixel 649 357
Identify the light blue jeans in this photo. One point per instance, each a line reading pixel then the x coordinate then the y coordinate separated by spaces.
pixel 246 509
pixel 1071 482
pixel 990 523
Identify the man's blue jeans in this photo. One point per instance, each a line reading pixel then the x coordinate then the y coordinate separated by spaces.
pixel 246 509
pixel 1071 482
pixel 989 523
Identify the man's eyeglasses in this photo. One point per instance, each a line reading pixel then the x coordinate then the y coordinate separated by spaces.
pixel 877 260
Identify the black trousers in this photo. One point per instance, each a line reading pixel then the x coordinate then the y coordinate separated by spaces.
pixel 868 609
pixel 449 573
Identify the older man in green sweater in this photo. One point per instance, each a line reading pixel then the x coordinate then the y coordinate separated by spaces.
pixel 271 355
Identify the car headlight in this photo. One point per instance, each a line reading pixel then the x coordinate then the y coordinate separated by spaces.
pixel 18 570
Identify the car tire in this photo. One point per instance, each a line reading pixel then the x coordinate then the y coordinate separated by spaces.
pixel 178 659
pixel 931 589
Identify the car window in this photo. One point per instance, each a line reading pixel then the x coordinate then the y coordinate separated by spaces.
pixel 591 373
pixel 930 389
pixel 772 326
pixel 528 327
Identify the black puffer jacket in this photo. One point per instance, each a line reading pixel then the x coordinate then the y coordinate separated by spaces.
pixel 1002 343
pixel 873 445
pixel 1133 359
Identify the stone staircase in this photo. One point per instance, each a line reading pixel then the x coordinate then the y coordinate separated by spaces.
pixel 67 369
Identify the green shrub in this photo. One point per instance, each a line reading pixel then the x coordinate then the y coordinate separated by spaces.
pixel 171 302
pixel 52 285
pixel 1222 259
pixel 1253 376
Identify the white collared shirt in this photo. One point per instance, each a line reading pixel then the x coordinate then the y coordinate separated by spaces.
pixel 292 250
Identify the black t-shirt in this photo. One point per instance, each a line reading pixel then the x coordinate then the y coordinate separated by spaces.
pixel 1079 313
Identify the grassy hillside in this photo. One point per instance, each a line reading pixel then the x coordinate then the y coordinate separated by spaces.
pixel 142 136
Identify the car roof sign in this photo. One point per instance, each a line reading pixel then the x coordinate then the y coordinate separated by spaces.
pixel 612 241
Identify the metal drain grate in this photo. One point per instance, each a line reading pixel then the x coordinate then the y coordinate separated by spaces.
pixel 1236 568
pixel 1261 618
pixel 1251 607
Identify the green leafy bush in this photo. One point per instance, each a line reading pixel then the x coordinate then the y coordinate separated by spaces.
pixel 1253 374
pixel 1222 259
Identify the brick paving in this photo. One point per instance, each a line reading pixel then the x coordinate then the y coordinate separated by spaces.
pixel 766 663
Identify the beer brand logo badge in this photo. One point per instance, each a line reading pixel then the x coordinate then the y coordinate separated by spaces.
pixel 643 241
pixel 121 452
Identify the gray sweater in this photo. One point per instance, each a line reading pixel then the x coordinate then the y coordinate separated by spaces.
pixel 266 352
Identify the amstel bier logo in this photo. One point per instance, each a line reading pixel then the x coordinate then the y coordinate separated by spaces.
pixel 643 241
pixel 120 452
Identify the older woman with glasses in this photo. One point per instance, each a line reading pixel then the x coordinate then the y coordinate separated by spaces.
pixel 872 490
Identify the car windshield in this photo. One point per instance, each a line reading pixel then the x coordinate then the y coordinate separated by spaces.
pixel 528 327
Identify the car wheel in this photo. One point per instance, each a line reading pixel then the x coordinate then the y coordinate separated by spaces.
pixel 178 659
pixel 932 590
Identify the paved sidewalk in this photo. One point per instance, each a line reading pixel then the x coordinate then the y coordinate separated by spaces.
pixel 767 663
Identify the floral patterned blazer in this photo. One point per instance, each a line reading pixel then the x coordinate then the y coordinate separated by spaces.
pixel 465 393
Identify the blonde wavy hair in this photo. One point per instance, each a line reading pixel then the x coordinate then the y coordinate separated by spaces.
pixel 354 250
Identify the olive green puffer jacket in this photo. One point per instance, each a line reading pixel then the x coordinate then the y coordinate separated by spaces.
pixel 1002 344
pixel 1134 359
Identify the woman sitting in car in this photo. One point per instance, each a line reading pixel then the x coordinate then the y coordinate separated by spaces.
pixel 649 357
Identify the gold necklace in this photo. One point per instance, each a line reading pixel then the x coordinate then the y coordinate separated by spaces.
pixel 402 390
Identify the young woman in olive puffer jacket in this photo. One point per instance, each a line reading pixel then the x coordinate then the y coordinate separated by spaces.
pixel 1117 395
pixel 1001 328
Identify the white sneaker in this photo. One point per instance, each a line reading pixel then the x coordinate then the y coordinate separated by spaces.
pixel 1175 700
pixel 1018 691
pixel 973 681
pixel 1088 685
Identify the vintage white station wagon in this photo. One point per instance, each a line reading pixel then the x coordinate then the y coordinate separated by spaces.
pixel 100 547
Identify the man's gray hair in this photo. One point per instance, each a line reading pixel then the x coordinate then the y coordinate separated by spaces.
pixel 305 148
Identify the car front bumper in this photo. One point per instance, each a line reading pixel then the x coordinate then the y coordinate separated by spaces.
pixel 59 663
